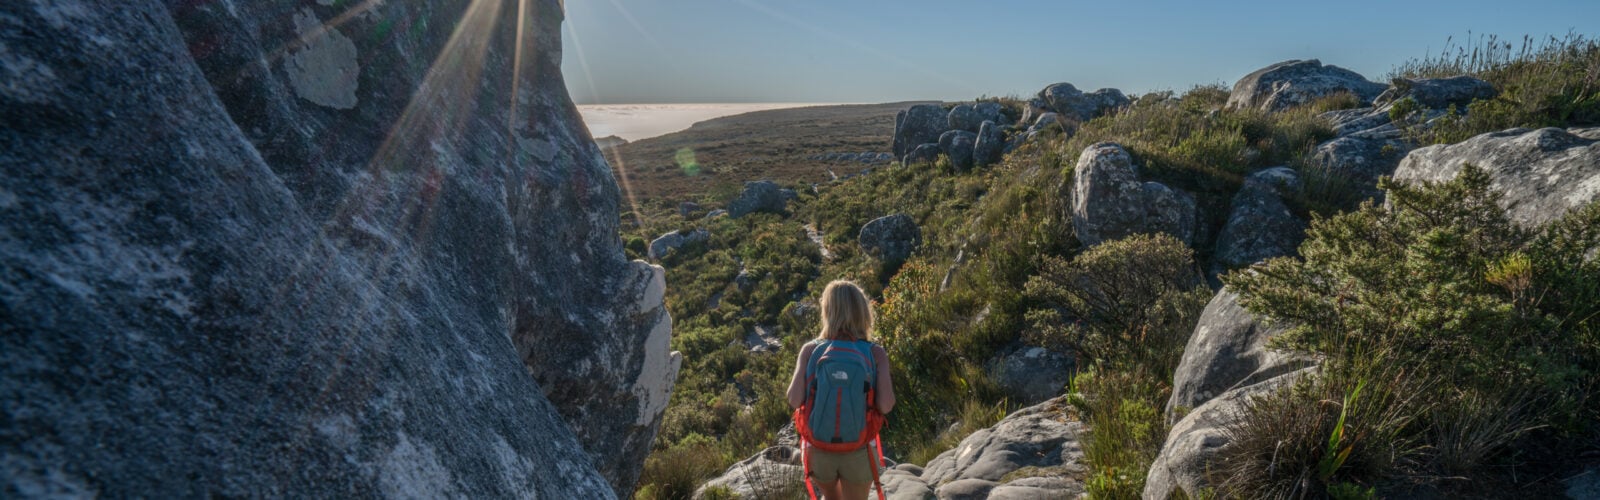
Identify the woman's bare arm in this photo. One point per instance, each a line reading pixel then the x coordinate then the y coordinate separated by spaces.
pixel 885 390
pixel 797 384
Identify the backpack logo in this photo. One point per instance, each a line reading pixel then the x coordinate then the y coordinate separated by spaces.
pixel 841 376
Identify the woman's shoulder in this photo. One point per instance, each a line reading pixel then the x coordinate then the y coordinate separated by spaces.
pixel 878 351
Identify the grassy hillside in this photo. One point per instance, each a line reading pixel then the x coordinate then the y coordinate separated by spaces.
pixel 1002 237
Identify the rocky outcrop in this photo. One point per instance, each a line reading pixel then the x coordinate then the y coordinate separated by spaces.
pixel 919 124
pixel 1031 374
pixel 1437 93
pixel 1225 363
pixel 764 475
pixel 990 145
pixel 1067 100
pixel 1041 437
pixel 258 251
pixel 1109 202
pixel 1366 155
pixel 1260 224
pixel 957 145
pixel 890 238
pixel 1541 173
pixel 671 241
pixel 1294 82
pixel 759 196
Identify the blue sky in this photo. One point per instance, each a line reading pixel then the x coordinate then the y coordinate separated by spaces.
pixel 671 51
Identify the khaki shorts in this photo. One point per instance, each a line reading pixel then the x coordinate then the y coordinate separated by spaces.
pixel 854 466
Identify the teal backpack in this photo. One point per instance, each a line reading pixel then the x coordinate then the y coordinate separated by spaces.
pixel 839 415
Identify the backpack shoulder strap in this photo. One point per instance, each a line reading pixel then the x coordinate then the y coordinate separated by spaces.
pixel 818 347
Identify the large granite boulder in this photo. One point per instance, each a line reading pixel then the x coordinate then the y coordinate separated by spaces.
pixel 1041 436
pixel 1039 442
pixel 1364 156
pixel 923 153
pixel 1109 202
pixel 919 124
pixel 1437 93
pixel 1225 363
pixel 675 239
pixel 990 145
pixel 766 474
pixel 958 145
pixel 970 117
pixel 1541 173
pixel 1067 100
pixel 1227 351
pixel 1294 82
pixel 262 250
pixel 758 196
pixel 1260 224
pixel 1186 457
pixel 890 238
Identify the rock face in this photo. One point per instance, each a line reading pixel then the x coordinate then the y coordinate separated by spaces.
pixel 891 237
pixel 958 146
pixel 1438 93
pixel 1366 155
pixel 666 242
pixel 758 196
pixel 1040 436
pixel 1260 225
pixel 919 124
pixel 1542 173
pixel 334 270
pixel 1224 364
pixel 1109 202
pixel 1295 82
pixel 1032 374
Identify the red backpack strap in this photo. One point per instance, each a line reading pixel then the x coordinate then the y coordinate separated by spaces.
pixel 805 463
pixel 877 461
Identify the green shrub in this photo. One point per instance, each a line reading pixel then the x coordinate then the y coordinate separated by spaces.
pixel 1554 82
pixel 1131 298
pixel 1494 324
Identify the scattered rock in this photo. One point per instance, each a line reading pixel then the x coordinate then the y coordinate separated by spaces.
pixel 763 338
pixel 992 111
pixel 891 238
pixel 919 124
pixel 1045 120
pixel 675 239
pixel 1032 374
pixel 990 145
pixel 688 208
pixel 1349 121
pixel 958 145
pixel 716 213
pixel 758 196
pixel 1260 225
pixel 925 153
pixel 745 281
pixel 1542 173
pixel 1109 202
pixel 1295 82
pixel 1437 93
pixel 1035 108
pixel 966 489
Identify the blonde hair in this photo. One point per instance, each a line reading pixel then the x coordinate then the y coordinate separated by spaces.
pixel 846 313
